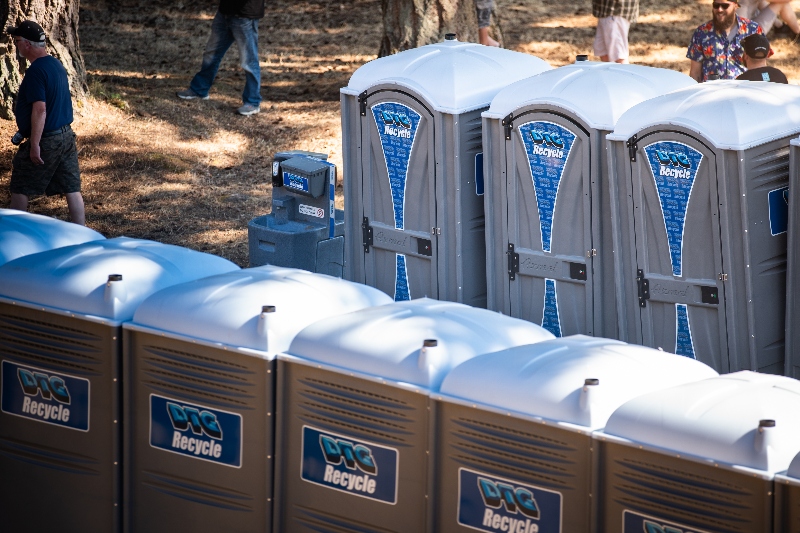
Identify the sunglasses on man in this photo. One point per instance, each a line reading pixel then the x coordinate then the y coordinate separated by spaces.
pixel 722 5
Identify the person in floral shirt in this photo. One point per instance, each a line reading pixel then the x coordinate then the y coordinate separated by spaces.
pixel 716 51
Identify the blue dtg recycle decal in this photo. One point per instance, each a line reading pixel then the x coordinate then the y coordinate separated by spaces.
pixel 683 332
pixel 401 290
pixel 637 523
pixel 550 319
pixel 674 166
pixel 778 211
pixel 547 146
pixel 489 503
pixel 350 465
pixel 397 126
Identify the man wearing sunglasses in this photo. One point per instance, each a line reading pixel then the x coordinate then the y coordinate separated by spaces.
pixel 716 51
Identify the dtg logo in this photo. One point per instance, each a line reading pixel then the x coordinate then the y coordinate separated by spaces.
pixel 636 523
pixel 515 499
pixel 549 139
pixel 34 383
pixel 671 158
pixel 354 456
pixel 200 421
pixel 395 119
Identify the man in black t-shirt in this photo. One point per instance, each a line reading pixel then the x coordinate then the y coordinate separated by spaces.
pixel 756 51
pixel 235 21
pixel 47 162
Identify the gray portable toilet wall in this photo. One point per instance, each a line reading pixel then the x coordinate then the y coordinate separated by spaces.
pixel 787 499
pixel 61 387
pixel 26 233
pixel 700 457
pixel 411 135
pixel 549 250
pixel 199 409
pixel 789 221
pixel 701 270
pixel 353 412
pixel 514 430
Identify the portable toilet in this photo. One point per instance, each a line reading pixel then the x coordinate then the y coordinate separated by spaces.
pixel 413 171
pixel 353 411
pixel 61 384
pixel 24 233
pixel 787 499
pixel 782 220
pixel 206 349
pixel 513 430
pixel 544 146
pixel 700 270
pixel 699 457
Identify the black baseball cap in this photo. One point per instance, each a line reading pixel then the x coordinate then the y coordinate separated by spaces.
pixel 27 30
pixel 756 46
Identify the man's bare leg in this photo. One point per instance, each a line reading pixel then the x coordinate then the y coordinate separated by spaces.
pixel 77 213
pixel 483 37
pixel 19 202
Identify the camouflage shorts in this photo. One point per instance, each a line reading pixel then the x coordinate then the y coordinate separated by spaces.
pixel 484 10
pixel 58 175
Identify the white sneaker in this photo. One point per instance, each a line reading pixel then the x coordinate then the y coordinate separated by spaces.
pixel 188 94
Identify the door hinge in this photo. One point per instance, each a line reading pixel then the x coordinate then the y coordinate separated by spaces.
pixel 513 262
pixel 366 235
pixel 508 123
pixel 723 277
pixel 362 102
pixel 644 288
pixel 436 231
pixel 632 145
pixel 592 253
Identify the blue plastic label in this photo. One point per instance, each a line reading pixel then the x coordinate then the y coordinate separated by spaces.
pixel 397 126
pixel 479 174
pixel 674 166
pixel 196 431
pixel 683 332
pixel 350 465
pixel 638 523
pixel 778 211
pixel 550 319
pixel 493 504
pixel 401 290
pixel 45 396
pixel 293 181
pixel 547 146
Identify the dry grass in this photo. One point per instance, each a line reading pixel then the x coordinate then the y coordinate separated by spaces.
pixel 194 173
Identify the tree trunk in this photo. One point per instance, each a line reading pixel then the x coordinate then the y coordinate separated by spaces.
pixel 59 18
pixel 412 23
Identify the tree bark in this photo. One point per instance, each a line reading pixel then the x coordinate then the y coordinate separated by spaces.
pixel 59 18
pixel 412 23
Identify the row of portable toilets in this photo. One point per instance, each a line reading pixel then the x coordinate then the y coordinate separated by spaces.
pixel 146 387
pixel 609 200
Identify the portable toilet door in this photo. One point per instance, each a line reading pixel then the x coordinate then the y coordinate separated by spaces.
pixel 700 273
pixel 549 249
pixel 411 127
pixel 787 499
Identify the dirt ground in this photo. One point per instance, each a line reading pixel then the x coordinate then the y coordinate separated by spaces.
pixel 194 173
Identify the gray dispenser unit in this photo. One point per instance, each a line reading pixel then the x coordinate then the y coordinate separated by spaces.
pixel 304 230
pixel 411 135
pixel 549 249
pixel 513 435
pixel 700 457
pixel 353 428
pixel 61 314
pixel 206 349
pixel 701 262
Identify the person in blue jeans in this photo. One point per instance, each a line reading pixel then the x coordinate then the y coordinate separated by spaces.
pixel 235 21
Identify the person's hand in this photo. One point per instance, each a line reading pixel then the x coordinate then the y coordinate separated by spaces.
pixel 36 155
